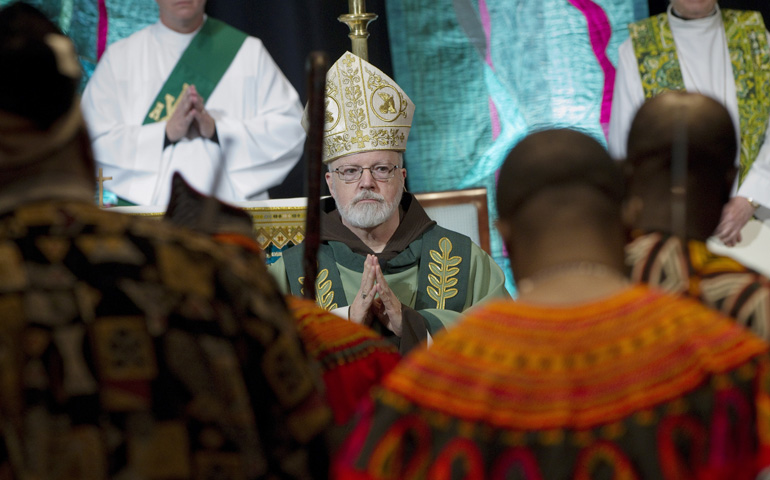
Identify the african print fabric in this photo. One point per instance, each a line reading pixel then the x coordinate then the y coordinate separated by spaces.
pixel 660 71
pixel 719 282
pixel 353 358
pixel 133 349
pixel 642 385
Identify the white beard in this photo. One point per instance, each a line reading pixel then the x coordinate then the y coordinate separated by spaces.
pixel 368 215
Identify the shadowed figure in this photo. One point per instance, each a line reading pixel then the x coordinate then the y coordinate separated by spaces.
pixel 656 254
pixel 610 378
pixel 129 348
pixel 699 47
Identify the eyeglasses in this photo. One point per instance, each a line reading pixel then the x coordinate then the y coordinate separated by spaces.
pixel 352 173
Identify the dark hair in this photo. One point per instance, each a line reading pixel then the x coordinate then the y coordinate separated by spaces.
pixel 556 157
pixel 710 134
pixel 31 84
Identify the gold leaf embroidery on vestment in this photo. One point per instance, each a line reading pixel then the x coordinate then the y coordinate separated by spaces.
pixel 443 273
pixel 171 104
pixel 156 111
pixel 324 293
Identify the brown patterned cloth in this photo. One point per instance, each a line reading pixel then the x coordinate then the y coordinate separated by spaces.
pixel 659 259
pixel 133 349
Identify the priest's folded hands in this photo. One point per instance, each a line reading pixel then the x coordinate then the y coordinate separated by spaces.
pixel 190 119
pixel 375 300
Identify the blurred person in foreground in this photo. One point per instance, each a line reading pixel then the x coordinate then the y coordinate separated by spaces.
pixel 128 348
pixel 583 376
pixel 697 46
pixel 352 358
pixel 656 254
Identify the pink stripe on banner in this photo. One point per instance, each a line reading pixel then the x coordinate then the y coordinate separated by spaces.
pixel 102 28
pixel 486 22
pixel 600 30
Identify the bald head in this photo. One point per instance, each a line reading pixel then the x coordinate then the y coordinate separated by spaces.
pixel 552 159
pixel 710 131
pixel 710 149
pixel 559 196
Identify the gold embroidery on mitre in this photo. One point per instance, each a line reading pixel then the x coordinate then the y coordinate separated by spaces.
pixel 324 293
pixel 443 273
pixel 328 116
pixel 385 97
pixel 388 103
pixel 332 109
pixel 365 110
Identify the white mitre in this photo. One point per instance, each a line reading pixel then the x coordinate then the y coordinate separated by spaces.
pixel 365 110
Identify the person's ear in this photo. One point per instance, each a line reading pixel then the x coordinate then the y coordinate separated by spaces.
pixel 330 182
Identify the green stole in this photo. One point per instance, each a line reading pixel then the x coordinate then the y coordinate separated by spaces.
pixel 202 64
pixel 443 272
pixel 750 57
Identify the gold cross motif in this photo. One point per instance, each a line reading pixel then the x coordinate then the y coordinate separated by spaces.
pixel 101 179
pixel 360 139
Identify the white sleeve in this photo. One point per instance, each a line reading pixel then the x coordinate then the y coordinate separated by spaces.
pixel 627 97
pixel 342 312
pixel 265 143
pixel 129 152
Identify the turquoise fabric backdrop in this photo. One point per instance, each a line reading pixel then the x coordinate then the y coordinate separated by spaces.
pixel 80 20
pixel 484 73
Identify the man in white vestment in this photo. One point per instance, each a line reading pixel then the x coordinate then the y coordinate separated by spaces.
pixel 183 94
pixel 724 54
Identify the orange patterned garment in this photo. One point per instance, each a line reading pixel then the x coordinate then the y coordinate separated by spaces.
pixel 353 358
pixel 640 385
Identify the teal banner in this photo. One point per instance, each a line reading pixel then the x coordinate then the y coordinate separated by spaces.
pixel 96 23
pixel 482 73
pixel 485 73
